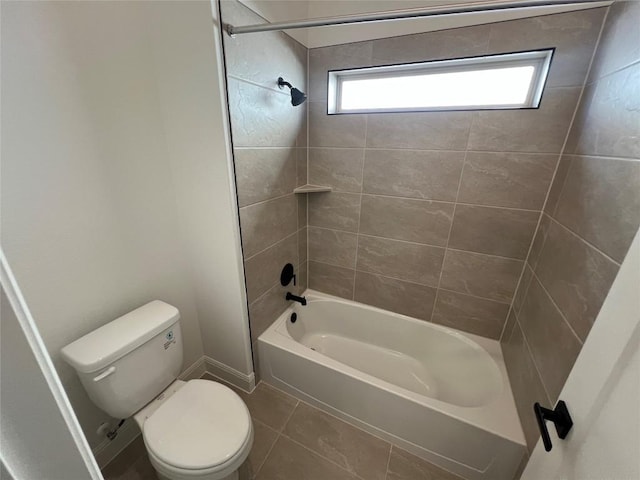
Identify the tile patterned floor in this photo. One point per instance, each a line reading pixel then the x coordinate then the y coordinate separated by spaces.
pixel 295 441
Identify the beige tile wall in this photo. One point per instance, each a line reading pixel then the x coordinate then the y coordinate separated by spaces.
pixel 432 214
pixel 589 220
pixel 270 157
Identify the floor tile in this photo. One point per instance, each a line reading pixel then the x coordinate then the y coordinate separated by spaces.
pixel 263 439
pixel 269 405
pixel 132 463
pixel 404 466
pixel 141 470
pixel 312 446
pixel 356 451
pixel 291 461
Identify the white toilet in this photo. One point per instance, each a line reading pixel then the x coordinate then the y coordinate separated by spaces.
pixel 195 430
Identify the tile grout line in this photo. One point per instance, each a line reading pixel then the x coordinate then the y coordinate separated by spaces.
pixel 299 401
pixel 512 259
pixel 267 200
pixel 561 191
pixel 453 216
pixel 271 246
pixel 255 475
pixel 293 410
pixel 288 147
pixel 327 147
pixel 262 295
pixel 435 200
pixel 617 70
pixel 386 474
pixel 474 296
pixel 492 300
pixel 586 242
pixel 378 274
pixel 417 243
pixel 344 421
pixel 297 200
pixel 543 243
pixel 264 460
pixel 605 158
pixel 535 276
pixel 530 353
pixel 513 308
pixel 308 122
pixel 423 150
pixel 279 432
pixel 264 147
pixel 560 154
pixel 364 156
pixel 524 337
pixel 318 454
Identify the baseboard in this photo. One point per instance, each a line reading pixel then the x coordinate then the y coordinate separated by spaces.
pixel 107 450
pixel 246 382
pixel 196 370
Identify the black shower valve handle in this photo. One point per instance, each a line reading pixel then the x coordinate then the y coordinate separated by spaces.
pixel 287 275
pixel 560 418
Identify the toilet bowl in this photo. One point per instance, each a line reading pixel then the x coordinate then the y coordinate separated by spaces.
pixel 195 430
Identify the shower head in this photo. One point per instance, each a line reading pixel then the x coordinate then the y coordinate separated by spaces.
pixel 297 97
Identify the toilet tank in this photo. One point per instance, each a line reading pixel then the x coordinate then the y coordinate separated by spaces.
pixel 124 364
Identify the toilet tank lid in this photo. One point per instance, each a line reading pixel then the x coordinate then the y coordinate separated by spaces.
pixel 112 341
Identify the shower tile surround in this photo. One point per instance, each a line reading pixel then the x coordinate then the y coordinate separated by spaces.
pixel 432 214
pixel 270 158
pixel 589 220
pixel 458 218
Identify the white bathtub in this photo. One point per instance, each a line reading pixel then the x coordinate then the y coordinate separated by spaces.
pixel 439 393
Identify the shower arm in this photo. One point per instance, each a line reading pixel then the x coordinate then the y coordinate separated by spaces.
pixel 407 14
pixel 283 83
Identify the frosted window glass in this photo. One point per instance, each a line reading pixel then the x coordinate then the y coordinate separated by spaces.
pixel 503 86
pixel 502 81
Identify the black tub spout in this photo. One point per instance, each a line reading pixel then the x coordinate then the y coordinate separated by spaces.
pixel 295 298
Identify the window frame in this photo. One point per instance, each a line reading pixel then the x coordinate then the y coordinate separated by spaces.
pixel 541 60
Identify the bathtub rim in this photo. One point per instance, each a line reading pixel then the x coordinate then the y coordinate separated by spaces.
pixel 503 406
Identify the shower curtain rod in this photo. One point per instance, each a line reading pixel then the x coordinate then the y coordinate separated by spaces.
pixel 413 13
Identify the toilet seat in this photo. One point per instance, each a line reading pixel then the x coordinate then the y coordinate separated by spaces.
pixel 214 473
pixel 202 428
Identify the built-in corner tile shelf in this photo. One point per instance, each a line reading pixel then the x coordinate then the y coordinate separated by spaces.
pixel 312 189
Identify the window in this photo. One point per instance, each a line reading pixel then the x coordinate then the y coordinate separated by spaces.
pixel 508 81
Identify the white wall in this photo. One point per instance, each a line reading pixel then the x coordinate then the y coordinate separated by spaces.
pixel 284 10
pixel 115 186
pixel 30 419
pixel 280 10
pixel 190 81
pixel 35 415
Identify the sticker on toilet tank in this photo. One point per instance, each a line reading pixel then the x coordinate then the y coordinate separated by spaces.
pixel 170 339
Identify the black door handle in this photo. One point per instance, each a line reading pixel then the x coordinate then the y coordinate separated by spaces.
pixel 559 416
